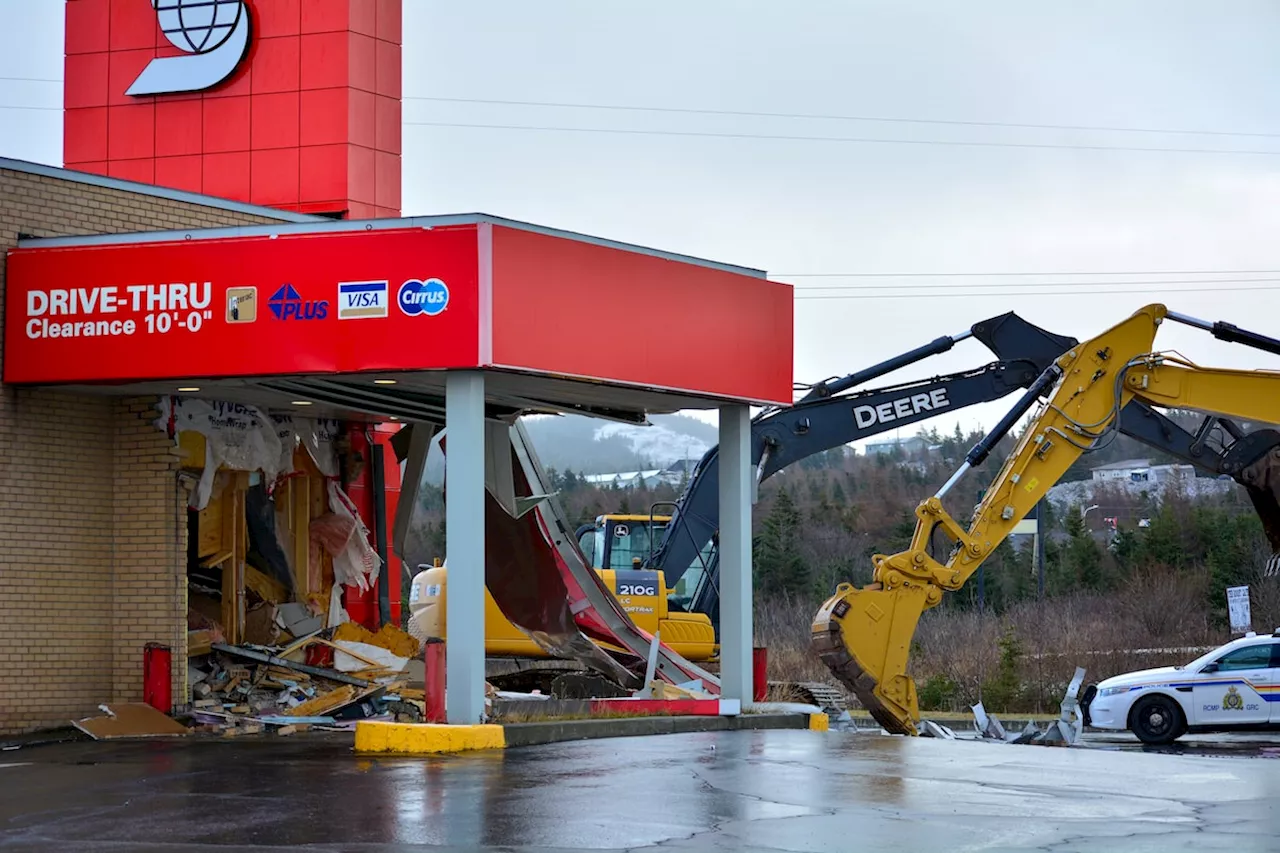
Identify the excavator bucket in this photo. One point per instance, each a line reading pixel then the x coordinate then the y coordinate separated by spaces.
pixel 882 622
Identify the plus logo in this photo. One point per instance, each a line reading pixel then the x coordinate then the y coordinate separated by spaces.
pixel 287 304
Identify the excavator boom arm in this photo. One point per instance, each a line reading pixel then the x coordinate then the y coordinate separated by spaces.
pixel 864 635
pixel 822 421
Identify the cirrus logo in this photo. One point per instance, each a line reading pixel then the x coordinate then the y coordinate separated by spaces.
pixel 428 297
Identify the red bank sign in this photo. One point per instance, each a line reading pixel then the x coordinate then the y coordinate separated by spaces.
pixel 318 303
pixel 290 104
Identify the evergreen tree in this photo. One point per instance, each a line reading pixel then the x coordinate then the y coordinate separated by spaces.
pixel 779 568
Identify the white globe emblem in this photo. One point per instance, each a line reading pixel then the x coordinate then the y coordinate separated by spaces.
pixel 198 26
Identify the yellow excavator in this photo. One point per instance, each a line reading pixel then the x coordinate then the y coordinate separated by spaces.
pixel 864 634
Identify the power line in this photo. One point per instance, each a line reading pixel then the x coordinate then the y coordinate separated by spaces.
pixel 1158 293
pixel 833 117
pixel 841 139
pixel 995 274
pixel 29 80
pixel 925 286
pixel 17 107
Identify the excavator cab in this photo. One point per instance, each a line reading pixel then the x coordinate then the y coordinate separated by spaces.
pixel 627 542
pixel 621 541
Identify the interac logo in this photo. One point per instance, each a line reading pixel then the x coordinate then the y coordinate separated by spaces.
pixel 214 35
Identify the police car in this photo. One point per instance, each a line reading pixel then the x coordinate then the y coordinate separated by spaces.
pixel 1235 687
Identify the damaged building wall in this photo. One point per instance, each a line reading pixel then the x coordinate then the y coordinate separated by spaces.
pixel 148 549
pixel 92 520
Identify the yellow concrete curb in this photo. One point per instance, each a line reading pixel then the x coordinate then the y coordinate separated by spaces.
pixel 424 738
pixel 819 723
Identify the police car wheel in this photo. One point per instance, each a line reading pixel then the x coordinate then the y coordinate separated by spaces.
pixel 1157 720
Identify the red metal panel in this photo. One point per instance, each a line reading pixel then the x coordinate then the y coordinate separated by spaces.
pixel 390 23
pixel 274 121
pixel 84 135
pixel 143 171
pixel 226 124
pixel 131 132
pixel 325 62
pixel 276 64
pixel 86 80
pixel 181 173
pixel 326 169
pixel 721 332
pixel 131 29
pixel 296 275
pixel 240 84
pixel 389 70
pixel 387 168
pixel 274 176
pixel 179 128
pixel 361 175
pixel 273 18
pixel 362 118
pixel 324 115
pixel 334 50
pixel 124 66
pixel 87 26
pixel 361 210
pixel 362 56
pixel 387 119
pixel 326 16
pixel 364 17
pixel 227 175
pixel 94 168
pixel 332 206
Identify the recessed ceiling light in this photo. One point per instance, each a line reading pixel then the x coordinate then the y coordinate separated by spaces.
pixel 300 403
pixel 384 382
pixel 394 418
pixel 188 390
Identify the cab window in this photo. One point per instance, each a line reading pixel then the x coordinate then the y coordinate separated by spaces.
pixel 591 543
pixel 1250 657
pixel 693 577
pixel 632 541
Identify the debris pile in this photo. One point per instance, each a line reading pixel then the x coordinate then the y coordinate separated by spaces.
pixel 327 680
pixel 1064 731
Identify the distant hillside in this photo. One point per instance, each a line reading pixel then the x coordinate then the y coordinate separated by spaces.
pixel 592 446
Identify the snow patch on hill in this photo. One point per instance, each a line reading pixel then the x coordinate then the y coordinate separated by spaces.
pixel 657 443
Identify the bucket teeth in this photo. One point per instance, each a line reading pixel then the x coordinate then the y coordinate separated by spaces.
pixel 830 647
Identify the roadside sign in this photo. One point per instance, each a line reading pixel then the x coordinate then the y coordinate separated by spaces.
pixel 1238 607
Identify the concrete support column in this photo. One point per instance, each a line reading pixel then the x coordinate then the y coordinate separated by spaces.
pixel 464 546
pixel 736 630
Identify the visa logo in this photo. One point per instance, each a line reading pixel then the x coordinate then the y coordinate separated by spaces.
pixel 359 300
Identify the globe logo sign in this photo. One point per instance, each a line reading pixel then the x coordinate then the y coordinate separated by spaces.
pixel 214 35
pixel 423 298
pixel 198 26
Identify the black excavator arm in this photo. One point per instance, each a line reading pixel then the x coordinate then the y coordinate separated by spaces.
pixel 826 418
pixel 823 420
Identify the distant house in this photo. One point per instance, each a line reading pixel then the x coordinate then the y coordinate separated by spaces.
pixel 672 475
pixel 1142 471
pixel 908 446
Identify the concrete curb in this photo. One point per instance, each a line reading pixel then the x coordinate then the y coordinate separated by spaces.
pixel 426 738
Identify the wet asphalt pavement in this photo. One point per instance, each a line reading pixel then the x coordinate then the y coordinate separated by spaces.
pixel 725 791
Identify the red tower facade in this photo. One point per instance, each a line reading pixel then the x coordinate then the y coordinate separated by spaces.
pixel 293 104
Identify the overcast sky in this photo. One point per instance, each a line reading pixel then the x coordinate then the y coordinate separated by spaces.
pixel 798 206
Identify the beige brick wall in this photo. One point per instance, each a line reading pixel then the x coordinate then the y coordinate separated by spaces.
pixel 92 516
